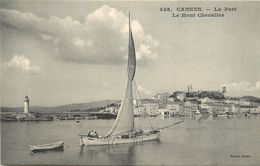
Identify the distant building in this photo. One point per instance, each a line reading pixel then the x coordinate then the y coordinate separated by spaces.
pixel 187 108
pixel 111 109
pixel 249 109
pixel 163 112
pixel 244 102
pixel 206 100
pixel 173 108
pixel 170 99
pixel 232 101
pixel 178 95
pixel 151 108
pixel 138 111
pixel 235 108
pixel 137 102
pixel 256 110
pixel 161 97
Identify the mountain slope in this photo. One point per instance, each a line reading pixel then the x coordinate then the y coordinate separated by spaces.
pixel 62 108
pixel 251 98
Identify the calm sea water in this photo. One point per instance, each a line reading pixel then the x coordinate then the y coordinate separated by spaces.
pixel 197 141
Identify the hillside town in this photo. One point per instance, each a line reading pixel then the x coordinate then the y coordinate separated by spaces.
pixel 190 103
pixel 177 104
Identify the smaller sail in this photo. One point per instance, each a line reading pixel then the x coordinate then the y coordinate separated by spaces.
pixel 131 56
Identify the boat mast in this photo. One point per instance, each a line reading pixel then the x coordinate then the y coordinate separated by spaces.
pixel 129 24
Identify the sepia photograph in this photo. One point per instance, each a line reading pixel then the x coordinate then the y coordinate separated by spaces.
pixel 130 82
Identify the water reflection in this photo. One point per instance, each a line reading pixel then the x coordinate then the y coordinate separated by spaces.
pixel 81 150
pixel 114 154
pixel 220 117
pixel 213 137
pixel 58 150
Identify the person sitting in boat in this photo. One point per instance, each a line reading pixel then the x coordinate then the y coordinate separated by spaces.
pixel 126 135
pixel 138 132
pixel 93 134
pixel 154 131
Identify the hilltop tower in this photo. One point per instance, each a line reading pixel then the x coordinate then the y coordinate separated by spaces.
pixel 189 88
pixel 224 90
pixel 26 105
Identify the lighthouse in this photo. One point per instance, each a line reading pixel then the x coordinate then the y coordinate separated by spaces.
pixel 26 105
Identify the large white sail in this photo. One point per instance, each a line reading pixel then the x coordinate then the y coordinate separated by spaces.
pixel 124 122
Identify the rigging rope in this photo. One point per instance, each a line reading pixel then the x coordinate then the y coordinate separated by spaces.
pixel 135 85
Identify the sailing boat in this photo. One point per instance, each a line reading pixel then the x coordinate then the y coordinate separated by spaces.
pixel 123 130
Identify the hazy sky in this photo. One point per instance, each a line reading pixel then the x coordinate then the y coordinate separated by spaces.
pixel 72 52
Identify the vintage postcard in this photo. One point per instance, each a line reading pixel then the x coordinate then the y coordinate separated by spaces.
pixel 130 82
